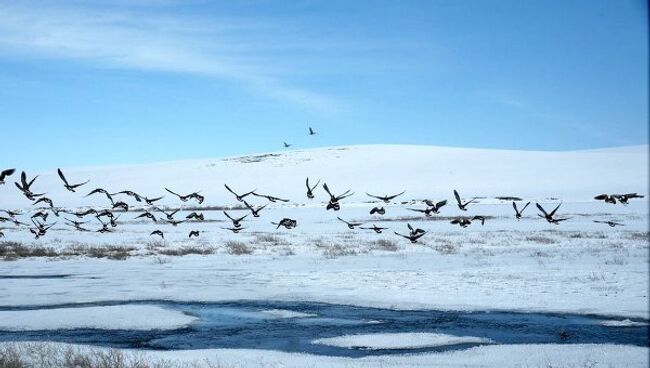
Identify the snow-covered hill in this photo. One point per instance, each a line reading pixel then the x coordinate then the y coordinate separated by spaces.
pixel 423 171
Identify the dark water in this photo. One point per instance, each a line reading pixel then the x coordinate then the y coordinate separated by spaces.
pixel 243 325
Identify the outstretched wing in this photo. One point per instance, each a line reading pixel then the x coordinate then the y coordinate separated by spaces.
pixel 601 197
pixel 396 195
pixel 539 207
pixel 374 196
pixel 555 210
pixel 457 197
pixel 62 177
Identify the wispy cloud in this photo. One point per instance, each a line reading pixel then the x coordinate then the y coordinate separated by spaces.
pixel 229 49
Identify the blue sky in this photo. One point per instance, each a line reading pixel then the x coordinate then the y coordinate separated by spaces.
pixel 103 82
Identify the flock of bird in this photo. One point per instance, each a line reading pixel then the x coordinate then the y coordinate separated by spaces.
pixel 107 217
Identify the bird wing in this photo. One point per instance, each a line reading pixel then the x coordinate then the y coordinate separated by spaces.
pixel 555 210
pixel 522 210
pixel 539 207
pixel 409 226
pixel 176 194
pixel 514 205
pixel 600 197
pixel 374 196
pixel 396 195
pixel 227 215
pixel 340 219
pixel 403 236
pixel 457 197
pixel 327 190
pixel 441 204
pixel 6 173
pixel 62 176
pixel 230 190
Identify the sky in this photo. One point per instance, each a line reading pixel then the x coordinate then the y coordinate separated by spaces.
pixel 98 82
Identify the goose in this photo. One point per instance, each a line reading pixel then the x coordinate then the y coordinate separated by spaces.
pixel 255 212
pixel 240 198
pixel 623 198
pixel 199 198
pixel 4 174
pixel 270 198
pixel 606 198
pixel 76 225
pixel 129 193
pixel 427 211
pixel 11 213
pixel 310 190
pixel 159 233
pixel 103 191
pixel 311 131
pixel 113 220
pixel 87 212
pixel 148 215
pixel 461 221
pixel 236 222
pixel 378 210
pixel 174 222
pixel 194 233
pixel 68 186
pixel 169 215
pixel 150 201
pixel 351 225
pixel 386 198
pixel 25 187
pixel 435 207
pixel 334 200
pixel 286 222
pixel 518 213
pixel 414 231
pixel 42 214
pixel 549 216
pixel 104 213
pixel 610 223
pixel 412 237
pixel 195 216
pixel 374 228
pixel 235 230
pixel 44 200
pixel 287 145
pixel 462 206
pixel 121 205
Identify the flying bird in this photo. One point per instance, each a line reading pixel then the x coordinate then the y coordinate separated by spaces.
pixel 548 216
pixel 334 200
pixel 236 222
pixel 150 201
pixel 255 212
pixel 25 187
pixel 606 198
pixel 235 230
pixel 121 205
pixel 378 210
pixel 412 237
pixel 194 233
pixel 80 214
pixel 148 215
pixel 239 198
pixel 169 215
pixel 270 198
pixel 129 193
pixel 311 131
pixel 610 223
pixel 518 213
pixel 11 213
pixel 623 198
pixel 199 198
pixel 159 233
pixel 435 207
pixel 465 221
pixel 287 223
pixel 68 186
pixel 351 225
pixel 374 228
pixel 310 190
pixel 287 145
pixel 195 216
pixel 386 198
pixel 44 200
pixel 103 191
pixel 4 174
pixel 462 206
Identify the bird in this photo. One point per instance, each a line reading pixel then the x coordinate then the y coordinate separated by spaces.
pixel 169 215
pixel 480 218
pixel 114 220
pixel 103 191
pixel 104 213
pixel 310 190
pixel 412 237
pixel 235 230
pixel 255 212
pixel 11 213
pixel 159 233
pixel 623 198
pixel 286 222
pixel 465 221
pixel 25 187
pixel 42 214
pixel 40 229
pixel 414 231
pixel 4 174
pixel 610 223
pixel 199 198
pixel 270 198
pixel 427 211
pixel 90 211
pixel 334 200
pixel 386 198
pixel 76 225
pixel 236 222
pixel 606 198
pixel 68 186
pixel 105 228
pixel 194 233
pixel 240 198
pixel 311 131
pixel 44 200
pixel 517 212
pixel 12 220
pixel 462 206
pixel 150 201
pixel 378 210
pixel 549 216
pixel 175 222
pixel 195 216
pixel 148 215
pixel 122 205
pixel 435 207
pixel 374 228
pixel 130 193
pixel 351 225
pixel 287 145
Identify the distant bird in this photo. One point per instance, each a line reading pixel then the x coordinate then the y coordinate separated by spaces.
pixel 239 198
pixel 235 230
pixel 412 237
pixel 623 198
pixel 386 198
pixel 378 210
pixel 103 191
pixel 130 193
pixel 286 222
pixel 610 223
pixel 427 211
pixel 334 200
pixel 175 222
pixel 169 215
pixel 148 215
pixel 374 228
pixel 195 216
pixel 414 231
pixel 435 207
pixel 270 198
pixel 25 187
pixel 465 221
pixel 4 174
pixel 509 198
pixel 236 222
pixel 150 201
pixel 351 225
pixel 159 233
pixel 40 229
pixel 104 213
pixel 311 131
pixel 114 220
pixel 199 198
pixel 462 206
pixel 42 214
pixel 11 213
pixel 549 216
pixel 44 200
pixel 68 186
pixel 87 212
pixel 287 145
pixel 12 220
pixel 76 225
pixel 606 198
pixel 194 233
pixel 479 218
pixel 105 229
pixel 517 212
pixel 254 212
pixel 121 205
pixel 310 190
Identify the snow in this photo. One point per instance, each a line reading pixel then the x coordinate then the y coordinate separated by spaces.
pixel 283 313
pixel 133 317
pixel 623 323
pixel 399 341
